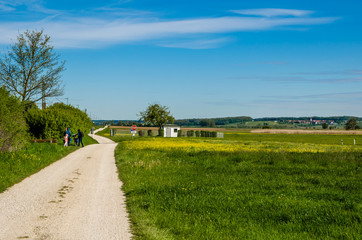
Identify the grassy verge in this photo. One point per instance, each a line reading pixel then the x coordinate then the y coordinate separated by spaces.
pixel 191 192
pixel 16 166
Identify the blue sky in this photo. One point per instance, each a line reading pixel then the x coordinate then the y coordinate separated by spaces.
pixel 201 58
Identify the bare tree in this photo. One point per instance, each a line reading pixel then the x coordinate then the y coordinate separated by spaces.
pixel 31 69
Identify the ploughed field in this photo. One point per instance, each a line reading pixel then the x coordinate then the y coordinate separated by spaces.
pixel 245 186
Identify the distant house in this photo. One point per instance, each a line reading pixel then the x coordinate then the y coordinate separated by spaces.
pixel 171 130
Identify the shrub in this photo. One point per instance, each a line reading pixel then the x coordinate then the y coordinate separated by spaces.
pixel 161 132
pixel 207 134
pixel 13 134
pixel 141 133
pixel 51 122
pixel 191 133
pixel 197 133
pixel 179 133
pixel 149 133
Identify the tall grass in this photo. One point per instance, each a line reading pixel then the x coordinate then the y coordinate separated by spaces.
pixel 15 166
pixel 242 195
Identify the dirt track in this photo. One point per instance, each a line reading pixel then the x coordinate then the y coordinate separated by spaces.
pixel 77 197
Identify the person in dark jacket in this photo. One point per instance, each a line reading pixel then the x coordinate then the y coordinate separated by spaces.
pixel 80 138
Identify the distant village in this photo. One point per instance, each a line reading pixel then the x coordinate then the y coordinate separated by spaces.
pixel 312 122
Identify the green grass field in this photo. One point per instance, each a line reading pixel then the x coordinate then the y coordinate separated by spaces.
pixel 330 139
pixel 16 166
pixel 194 190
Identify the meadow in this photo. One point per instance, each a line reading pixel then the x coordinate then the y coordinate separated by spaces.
pixel 246 186
pixel 328 139
pixel 16 166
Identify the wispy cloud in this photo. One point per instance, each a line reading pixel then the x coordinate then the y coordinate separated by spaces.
pixel 122 26
pixel 273 12
pixel 31 5
pixel 197 44
pixel 124 12
pixel 4 7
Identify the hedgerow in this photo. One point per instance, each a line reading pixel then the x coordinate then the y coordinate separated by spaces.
pixel 13 134
pixel 51 122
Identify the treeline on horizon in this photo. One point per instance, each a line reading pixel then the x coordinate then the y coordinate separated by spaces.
pixel 224 121
pixel 337 119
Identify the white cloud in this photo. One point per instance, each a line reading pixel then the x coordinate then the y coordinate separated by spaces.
pixel 31 5
pixel 6 8
pixel 273 12
pixel 197 44
pixel 80 32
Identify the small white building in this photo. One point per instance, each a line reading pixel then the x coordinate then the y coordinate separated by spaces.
pixel 171 130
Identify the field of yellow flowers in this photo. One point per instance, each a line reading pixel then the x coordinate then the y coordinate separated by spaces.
pixel 199 145
pixel 246 186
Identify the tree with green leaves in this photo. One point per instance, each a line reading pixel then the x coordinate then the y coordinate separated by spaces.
pixel 352 124
pixel 31 69
pixel 157 115
pixel 13 129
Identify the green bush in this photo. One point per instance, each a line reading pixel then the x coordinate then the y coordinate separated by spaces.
pixel 207 134
pixel 149 133
pixel 191 133
pixel 197 133
pixel 141 133
pixel 179 133
pixel 13 129
pixel 161 132
pixel 51 122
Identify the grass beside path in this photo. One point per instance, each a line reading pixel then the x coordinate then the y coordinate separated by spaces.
pixel 16 166
pixel 190 188
pixel 245 195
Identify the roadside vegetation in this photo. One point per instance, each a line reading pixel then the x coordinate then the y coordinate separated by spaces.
pixel 30 72
pixel 19 156
pixel 242 187
pixel 17 165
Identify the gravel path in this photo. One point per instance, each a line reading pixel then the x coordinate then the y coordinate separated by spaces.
pixel 77 197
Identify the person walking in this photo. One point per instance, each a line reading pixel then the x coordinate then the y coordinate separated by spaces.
pixel 80 138
pixel 65 139
pixel 69 136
